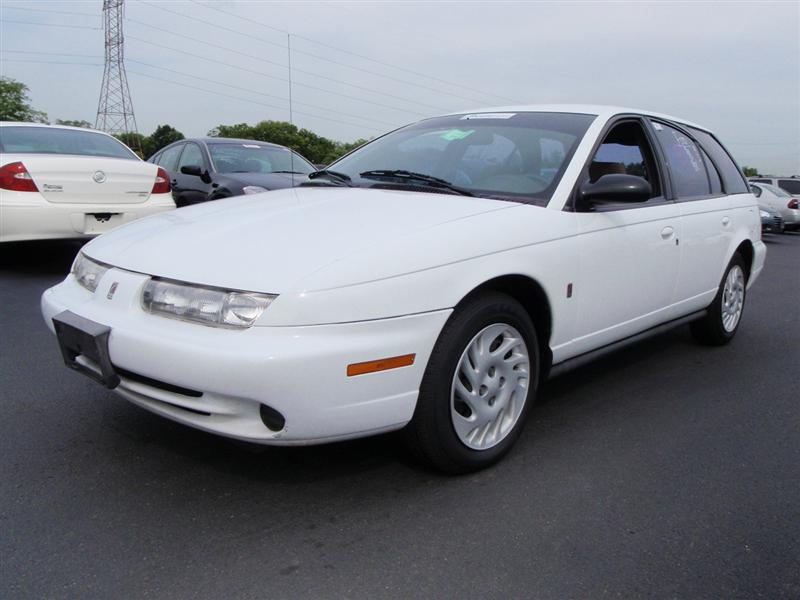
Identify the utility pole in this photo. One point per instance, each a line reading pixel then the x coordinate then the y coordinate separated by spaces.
pixel 115 109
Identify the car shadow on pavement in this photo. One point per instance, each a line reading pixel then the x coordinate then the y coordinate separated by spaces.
pixel 385 453
pixel 40 257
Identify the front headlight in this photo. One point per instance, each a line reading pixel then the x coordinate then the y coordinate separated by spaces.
pixel 88 272
pixel 210 306
pixel 764 214
pixel 254 189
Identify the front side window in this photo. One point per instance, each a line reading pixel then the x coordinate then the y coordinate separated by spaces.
pixel 52 140
pixel 511 156
pixel 169 158
pixel 231 157
pixel 790 185
pixel 685 162
pixel 625 150
pixel 192 156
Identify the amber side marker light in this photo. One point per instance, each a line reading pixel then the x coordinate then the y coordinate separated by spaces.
pixel 382 364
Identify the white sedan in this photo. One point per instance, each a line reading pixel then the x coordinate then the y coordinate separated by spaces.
pixel 776 200
pixel 430 280
pixel 68 182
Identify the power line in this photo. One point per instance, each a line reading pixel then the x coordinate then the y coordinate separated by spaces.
pixel 49 10
pixel 362 56
pixel 262 74
pixel 252 91
pixel 186 85
pixel 311 73
pixel 50 24
pixel 317 56
pixel 52 53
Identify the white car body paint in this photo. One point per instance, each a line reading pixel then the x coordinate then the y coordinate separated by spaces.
pixel 364 274
pixel 68 197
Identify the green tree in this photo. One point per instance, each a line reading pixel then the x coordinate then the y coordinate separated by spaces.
pixel 316 148
pixel 750 171
pixel 134 141
pixel 15 104
pixel 164 135
pixel 75 123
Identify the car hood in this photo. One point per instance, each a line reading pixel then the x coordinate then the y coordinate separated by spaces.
pixel 270 181
pixel 272 242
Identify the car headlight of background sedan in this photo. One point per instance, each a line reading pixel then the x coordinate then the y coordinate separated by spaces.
pixel 254 189
pixel 87 272
pixel 209 306
pixel 764 214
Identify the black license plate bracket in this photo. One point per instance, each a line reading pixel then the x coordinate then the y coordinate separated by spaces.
pixel 78 336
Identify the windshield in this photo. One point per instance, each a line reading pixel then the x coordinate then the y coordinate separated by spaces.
pixel 512 156
pixel 52 140
pixel 255 158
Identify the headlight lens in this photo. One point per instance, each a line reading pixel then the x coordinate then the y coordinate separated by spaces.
pixel 254 189
pixel 764 214
pixel 210 306
pixel 88 272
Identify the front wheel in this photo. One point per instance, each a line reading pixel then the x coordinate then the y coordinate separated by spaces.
pixel 478 387
pixel 725 313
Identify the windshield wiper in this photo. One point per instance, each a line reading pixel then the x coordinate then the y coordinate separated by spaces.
pixel 408 176
pixel 292 172
pixel 334 176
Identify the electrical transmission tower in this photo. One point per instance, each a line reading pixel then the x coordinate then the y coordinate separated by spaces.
pixel 115 110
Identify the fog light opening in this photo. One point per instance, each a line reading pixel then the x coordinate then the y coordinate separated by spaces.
pixel 272 419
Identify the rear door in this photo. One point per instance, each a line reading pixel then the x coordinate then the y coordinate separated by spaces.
pixel 628 253
pixel 714 202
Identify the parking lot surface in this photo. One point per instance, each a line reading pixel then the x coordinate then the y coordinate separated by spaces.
pixel 665 470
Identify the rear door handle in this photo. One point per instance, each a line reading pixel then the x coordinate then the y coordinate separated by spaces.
pixel 726 221
pixel 667 232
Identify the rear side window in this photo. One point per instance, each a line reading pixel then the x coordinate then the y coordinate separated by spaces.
pixel 790 185
pixel 762 180
pixel 685 162
pixel 732 177
pixel 52 140
pixel 756 191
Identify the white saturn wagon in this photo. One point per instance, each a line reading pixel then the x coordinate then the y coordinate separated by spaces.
pixel 429 280
pixel 69 182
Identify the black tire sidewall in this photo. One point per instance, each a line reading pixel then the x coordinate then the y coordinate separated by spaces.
pixel 435 392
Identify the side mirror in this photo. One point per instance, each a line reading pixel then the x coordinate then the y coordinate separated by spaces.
pixel 195 170
pixel 615 187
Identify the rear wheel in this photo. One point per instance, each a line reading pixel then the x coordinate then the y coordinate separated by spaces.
pixel 478 387
pixel 725 313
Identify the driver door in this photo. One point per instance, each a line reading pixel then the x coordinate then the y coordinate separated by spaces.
pixel 628 252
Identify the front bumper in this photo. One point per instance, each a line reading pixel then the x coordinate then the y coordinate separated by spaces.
pixel 28 216
pixel 218 379
pixel 759 257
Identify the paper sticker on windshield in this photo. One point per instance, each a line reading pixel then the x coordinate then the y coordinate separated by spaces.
pixel 488 116
pixel 250 146
pixel 456 134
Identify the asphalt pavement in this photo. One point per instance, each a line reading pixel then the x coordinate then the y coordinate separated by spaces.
pixel 667 470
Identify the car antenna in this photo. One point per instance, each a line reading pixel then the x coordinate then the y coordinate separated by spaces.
pixel 291 118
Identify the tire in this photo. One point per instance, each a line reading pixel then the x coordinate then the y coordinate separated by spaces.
pixel 725 312
pixel 459 436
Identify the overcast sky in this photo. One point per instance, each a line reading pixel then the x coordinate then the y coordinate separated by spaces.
pixel 359 69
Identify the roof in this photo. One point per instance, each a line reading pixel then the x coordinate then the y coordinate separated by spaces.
pixel 600 110
pixel 216 140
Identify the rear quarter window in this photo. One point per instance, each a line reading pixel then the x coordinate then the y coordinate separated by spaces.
pixel 732 177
